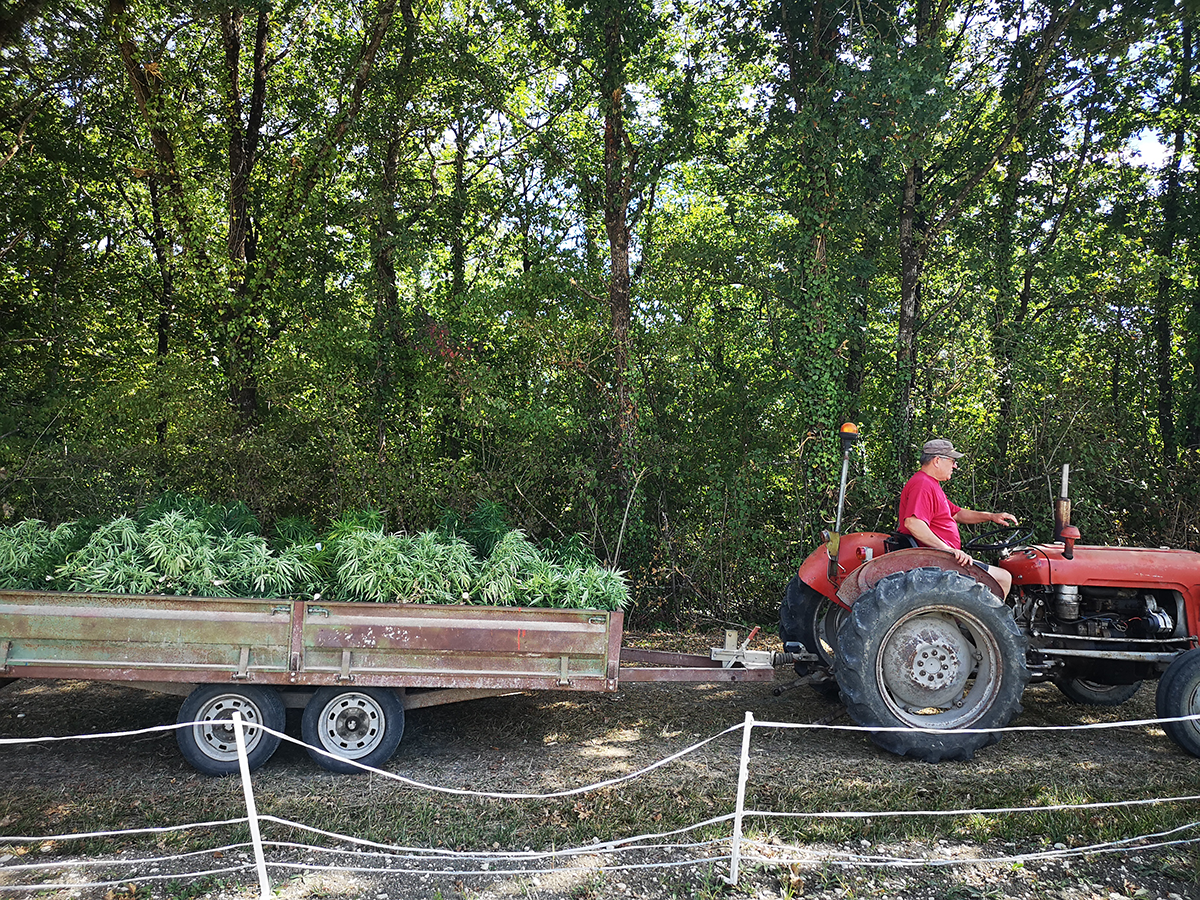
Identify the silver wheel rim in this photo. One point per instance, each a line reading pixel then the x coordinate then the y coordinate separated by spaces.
pixel 214 734
pixel 939 667
pixel 352 725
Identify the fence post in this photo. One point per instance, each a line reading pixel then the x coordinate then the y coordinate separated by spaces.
pixel 260 861
pixel 735 850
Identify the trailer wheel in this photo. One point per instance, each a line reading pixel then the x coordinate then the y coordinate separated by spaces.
pixel 931 649
pixel 1179 695
pixel 210 745
pixel 1095 693
pixel 360 724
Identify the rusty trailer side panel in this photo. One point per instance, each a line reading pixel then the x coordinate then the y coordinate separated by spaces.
pixel 132 638
pixel 480 646
pixel 113 637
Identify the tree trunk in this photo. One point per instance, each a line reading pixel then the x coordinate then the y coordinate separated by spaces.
pixel 241 314
pixel 620 160
pixel 912 260
pixel 394 342
pixel 1167 289
pixel 458 215
pixel 166 297
pixel 1004 326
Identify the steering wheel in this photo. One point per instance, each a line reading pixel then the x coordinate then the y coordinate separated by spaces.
pixel 999 538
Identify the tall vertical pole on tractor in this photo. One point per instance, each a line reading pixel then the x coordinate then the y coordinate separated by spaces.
pixel 849 436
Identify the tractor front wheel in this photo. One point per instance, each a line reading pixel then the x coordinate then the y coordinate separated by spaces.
pixel 931 649
pixel 1095 693
pixel 1179 695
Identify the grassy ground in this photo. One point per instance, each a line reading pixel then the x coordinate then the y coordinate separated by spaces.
pixel 538 743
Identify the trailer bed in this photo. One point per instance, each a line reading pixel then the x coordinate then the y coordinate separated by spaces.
pixel 311 644
pixel 115 637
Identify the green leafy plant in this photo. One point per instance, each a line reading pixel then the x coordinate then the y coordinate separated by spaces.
pixel 518 574
pixel 185 548
pixel 180 545
pixel 428 568
pixel 30 551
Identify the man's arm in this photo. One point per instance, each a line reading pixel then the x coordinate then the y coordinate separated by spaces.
pixel 975 516
pixel 920 530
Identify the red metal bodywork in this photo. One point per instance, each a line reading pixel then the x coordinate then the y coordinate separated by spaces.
pixel 865 577
pixel 814 571
pixel 1120 567
pixel 1038 565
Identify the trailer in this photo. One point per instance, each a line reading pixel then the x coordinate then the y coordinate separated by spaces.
pixel 353 667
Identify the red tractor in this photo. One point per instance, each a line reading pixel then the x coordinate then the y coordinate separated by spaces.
pixel 920 645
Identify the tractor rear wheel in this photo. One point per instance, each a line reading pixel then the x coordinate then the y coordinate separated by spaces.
pixel 932 649
pixel 808 617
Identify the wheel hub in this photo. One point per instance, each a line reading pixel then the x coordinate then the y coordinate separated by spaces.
pixel 216 735
pixel 353 725
pixel 927 662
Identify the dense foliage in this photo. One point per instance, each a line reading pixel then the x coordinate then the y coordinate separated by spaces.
pixel 618 266
pixel 185 546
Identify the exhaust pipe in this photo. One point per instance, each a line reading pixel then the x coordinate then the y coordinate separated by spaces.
pixel 1064 531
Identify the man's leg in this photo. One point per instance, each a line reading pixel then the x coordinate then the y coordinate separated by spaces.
pixel 1003 578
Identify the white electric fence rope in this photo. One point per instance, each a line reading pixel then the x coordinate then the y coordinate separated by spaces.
pixel 500 795
pixel 810 726
pixel 765 853
pixel 124 832
pixel 493 855
pixel 96 737
pixel 598 846
pixel 137 861
pixel 878 860
pixel 1007 729
pixel 743 767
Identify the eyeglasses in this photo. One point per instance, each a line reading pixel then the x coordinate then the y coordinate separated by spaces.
pixel 953 461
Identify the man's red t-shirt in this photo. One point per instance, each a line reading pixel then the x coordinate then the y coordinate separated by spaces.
pixel 924 498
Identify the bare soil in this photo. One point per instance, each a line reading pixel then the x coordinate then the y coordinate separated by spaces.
pixel 537 743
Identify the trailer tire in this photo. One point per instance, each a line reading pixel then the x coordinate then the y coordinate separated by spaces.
pixel 1179 695
pixel 1095 693
pixel 933 649
pixel 360 724
pixel 210 745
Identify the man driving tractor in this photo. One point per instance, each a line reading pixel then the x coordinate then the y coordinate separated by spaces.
pixel 928 517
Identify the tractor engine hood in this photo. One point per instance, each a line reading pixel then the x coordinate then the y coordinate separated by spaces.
pixel 1131 567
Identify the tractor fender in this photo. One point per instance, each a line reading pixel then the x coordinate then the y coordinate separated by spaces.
pixel 865 576
pixel 852 550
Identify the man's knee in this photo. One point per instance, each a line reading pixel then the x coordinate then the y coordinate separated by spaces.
pixel 1003 578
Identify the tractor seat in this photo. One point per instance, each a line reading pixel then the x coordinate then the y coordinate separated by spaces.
pixel 899 541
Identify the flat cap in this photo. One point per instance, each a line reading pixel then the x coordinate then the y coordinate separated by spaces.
pixel 940 447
